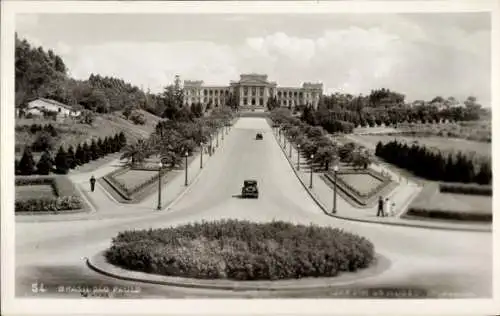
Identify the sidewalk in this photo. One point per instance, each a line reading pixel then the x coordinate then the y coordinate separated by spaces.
pixel 103 205
pixel 402 196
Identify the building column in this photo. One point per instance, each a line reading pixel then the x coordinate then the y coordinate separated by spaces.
pixel 241 96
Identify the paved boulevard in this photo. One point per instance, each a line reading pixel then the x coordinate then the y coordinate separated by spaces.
pixel 449 262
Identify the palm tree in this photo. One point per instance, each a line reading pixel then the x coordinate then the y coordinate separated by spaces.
pixel 136 153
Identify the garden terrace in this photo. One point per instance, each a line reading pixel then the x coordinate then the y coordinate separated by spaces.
pixel 38 194
pixel 360 187
pixel 241 250
pixel 133 184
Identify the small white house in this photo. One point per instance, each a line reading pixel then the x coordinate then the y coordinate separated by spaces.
pixel 36 107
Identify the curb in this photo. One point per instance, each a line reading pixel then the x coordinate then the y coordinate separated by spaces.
pixel 99 264
pixel 324 209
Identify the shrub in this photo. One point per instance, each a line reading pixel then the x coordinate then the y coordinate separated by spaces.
pixel 137 118
pixel 61 161
pixel 48 204
pixel 26 164
pixel 241 250
pixel 43 142
pixel 44 165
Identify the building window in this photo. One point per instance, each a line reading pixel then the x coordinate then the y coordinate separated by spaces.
pixel 205 92
pixel 245 101
pixel 211 92
pixel 253 101
pixel 261 101
pixel 261 90
pixel 284 102
pixel 245 90
pixel 295 94
pixel 254 90
pixel 59 110
pixel 279 94
pixel 300 94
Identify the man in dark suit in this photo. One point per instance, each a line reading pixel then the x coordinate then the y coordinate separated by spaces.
pixel 92 183
pixel 380 211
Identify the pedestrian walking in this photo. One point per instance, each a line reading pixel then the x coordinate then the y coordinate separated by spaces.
pixel 92 183
pixel 380 211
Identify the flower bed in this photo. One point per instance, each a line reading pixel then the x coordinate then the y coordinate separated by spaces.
pixel 65 203
pixel 241 250
pixel 361 198
pixel 63 196
pixel 125 190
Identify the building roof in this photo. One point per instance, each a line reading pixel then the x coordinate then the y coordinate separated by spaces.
pixel 54 102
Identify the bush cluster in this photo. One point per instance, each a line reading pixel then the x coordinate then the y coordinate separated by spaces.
pixel 70 159
pixel 55 204
pixel 137 118
pixel 450 215
pixel 471 189
pixel 313 140
pixel 241 250
pixel 432 165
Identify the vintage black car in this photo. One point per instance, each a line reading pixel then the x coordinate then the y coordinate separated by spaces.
pixel 259 136
pixel 250 189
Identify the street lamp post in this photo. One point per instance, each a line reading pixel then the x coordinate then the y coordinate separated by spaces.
pixel 160 165
pixel 210 148
pixel 298 157
pixel 335 169
pixel 290 153
pixel 311 178
pixel 201 155
pixel 186 178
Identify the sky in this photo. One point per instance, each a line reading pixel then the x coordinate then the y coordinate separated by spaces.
pixel 421 55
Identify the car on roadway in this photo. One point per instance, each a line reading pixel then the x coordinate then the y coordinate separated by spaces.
pixel 250 189
pixel 259 136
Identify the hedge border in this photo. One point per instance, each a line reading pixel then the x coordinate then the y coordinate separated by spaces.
pixel 470 189
pixel 416 212
pixel 63 187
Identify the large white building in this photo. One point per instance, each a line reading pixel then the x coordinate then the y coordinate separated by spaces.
pixel 252 91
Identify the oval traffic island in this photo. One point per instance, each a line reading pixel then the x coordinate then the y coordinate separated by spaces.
pixel 232 254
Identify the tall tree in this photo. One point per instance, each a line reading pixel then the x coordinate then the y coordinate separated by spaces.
pixel 27 164
pixel 61 161
pixel 44 165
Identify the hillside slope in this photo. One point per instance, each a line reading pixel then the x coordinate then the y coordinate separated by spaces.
pixel 72 133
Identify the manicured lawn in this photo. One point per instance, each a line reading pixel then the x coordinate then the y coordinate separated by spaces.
pixel 363 182
pixel 431 198
pixel 34 191
pixel 441 143
pixel 133 178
